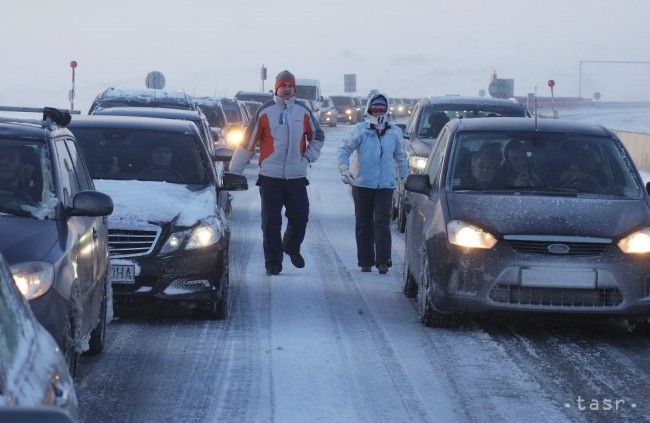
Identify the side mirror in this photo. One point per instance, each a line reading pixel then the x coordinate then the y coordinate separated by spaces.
pixel 91 203
pixel 222 154
pixel 418 183
pixel 234 182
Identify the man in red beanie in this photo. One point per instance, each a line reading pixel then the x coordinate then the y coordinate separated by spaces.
pixel 290 139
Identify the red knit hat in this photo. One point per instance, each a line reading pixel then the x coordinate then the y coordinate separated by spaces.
pixel 284 76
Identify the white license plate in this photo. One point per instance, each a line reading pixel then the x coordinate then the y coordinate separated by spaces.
pixel 122 273
pixel 559 278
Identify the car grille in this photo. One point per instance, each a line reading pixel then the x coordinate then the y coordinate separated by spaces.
pixel 556 297
pixel 542 247
pixel 131 242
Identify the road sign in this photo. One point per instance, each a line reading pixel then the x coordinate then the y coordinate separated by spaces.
pixel 502 88
pixel 350 82
pixel 155 80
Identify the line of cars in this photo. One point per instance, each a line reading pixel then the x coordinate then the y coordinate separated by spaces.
pixel 130 203
pixel 516 214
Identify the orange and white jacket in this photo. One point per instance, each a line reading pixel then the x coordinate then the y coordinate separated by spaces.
pixel 289 138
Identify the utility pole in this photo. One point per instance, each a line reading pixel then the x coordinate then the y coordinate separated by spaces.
pixel 73 65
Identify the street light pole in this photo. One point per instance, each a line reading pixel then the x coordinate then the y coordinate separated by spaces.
pixel 73 65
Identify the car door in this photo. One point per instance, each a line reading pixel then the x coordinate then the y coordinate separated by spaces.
pixel 426 207
pixel 85 234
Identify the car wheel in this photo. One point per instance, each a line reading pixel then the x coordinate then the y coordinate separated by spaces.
pixel 410 288
pixel 71 332
pixel 401 219
pixel 428 315
pixel 98 335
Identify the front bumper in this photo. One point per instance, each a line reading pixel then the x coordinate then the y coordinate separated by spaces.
pixel 504 278
pixel 195 276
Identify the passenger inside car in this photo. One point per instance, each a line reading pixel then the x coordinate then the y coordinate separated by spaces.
pixel 516 169
pixel 13 171
pixel 484 166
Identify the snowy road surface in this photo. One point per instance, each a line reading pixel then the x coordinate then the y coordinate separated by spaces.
pixel 328 343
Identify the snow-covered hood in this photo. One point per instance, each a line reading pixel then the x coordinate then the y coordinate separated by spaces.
pixel 547 215
pixel 158 202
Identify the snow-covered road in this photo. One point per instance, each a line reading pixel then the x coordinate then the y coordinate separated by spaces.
pixel 328 343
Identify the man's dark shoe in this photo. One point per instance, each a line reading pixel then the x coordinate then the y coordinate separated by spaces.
pixel 383 269
pixel 297 260
pixel 365 268
pixel 273 269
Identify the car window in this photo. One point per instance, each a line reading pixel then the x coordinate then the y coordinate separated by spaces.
pixel 129 154
pixel 69 182
pixel 435 160
pixel 574 163
pixel 84 182
pixel 342 101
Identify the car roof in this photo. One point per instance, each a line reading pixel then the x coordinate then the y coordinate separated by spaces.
pixel 496 124
pixel 161 112
pixel 470 100
pixel 133 122
pixel 148 96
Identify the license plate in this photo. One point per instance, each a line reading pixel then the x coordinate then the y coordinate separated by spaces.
pixel 559 278
pixel 122 273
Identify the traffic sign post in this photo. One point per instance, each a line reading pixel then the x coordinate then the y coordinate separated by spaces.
pixel 551 84
pixel 263 76
pixel 73 65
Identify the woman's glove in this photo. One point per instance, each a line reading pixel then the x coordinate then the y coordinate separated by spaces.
pixel 346 176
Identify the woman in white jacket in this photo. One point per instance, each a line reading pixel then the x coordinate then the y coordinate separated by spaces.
pixel 380 161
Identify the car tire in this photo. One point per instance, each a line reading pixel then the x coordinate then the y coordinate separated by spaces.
pixel 429 316
pixel 410 287
pixel 98 335
pixel 401 219
pixel 71 332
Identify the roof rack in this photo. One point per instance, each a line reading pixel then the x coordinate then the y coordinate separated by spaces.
pixel 51 115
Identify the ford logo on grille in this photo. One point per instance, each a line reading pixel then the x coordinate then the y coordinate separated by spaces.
pixel 558 248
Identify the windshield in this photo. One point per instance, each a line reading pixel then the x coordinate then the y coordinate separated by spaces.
pixel 26 183
pixel 342 101
pixel 434 118
pixel 143 155
pixel 307 92
pixel 542 161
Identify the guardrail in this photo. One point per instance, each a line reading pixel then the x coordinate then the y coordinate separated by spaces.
pixel 638 145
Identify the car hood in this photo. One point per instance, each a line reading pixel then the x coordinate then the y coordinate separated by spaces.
pixel 26 239
pixel 550 215
pixel 158 202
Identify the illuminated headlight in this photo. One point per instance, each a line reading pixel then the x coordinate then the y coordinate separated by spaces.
pixel 636 243
pixel 204 235
pixel 235 137
pixel 417 164
pixel 328 113
pixel 348 111
pixel 468 236
pixel 33 278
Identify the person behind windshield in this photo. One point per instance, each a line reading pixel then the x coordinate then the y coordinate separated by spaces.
pixel 583 171
pixel 484 166
pixel 161 156
pixel 516 169
pixel 13 172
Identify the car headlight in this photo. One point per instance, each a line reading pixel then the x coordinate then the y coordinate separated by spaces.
pixel 465 235
pixel 204 235
pixel 235 137
pixel 348 111
pixel 417 164
pixel 636 243
pixel 33 278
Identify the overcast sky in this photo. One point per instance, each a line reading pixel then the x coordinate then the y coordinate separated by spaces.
pixel 407 48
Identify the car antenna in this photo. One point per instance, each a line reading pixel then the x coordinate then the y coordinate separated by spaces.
pixel 535 107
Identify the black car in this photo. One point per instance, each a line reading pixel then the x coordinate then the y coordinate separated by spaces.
pixel 54 232
pixel 168 237
pixel 527 215
pixel 33 372
pixel 213 110
pixel 148 97
pixel 429 116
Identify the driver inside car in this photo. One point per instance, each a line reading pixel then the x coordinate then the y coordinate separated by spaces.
pixel 13 172
pixel 161 156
